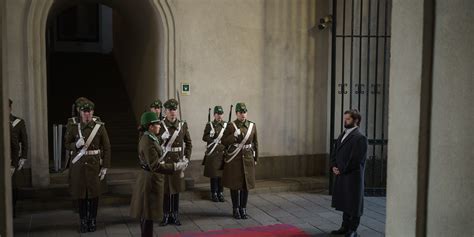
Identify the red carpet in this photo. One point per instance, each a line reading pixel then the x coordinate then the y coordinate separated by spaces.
pixel 279 230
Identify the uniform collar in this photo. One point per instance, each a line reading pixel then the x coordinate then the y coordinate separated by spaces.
pixel 90 124
pixel 239 124
pixel 218 123
pixel 151 135
pixel 172 124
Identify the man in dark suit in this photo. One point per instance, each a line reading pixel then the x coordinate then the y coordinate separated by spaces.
pixel 19 152
pixel 348 164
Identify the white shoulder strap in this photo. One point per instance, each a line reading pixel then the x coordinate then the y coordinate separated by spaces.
pixel 241 145
pixel 170 142
pixel 88 143
pixel 91 137
pixel 212 127
pixel 79 130
pixel 16 122
pixel 217 140
pixel 164 125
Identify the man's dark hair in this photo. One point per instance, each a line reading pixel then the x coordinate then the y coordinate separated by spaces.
pixel 355 115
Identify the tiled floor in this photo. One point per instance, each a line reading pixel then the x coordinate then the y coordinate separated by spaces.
pixel 311 212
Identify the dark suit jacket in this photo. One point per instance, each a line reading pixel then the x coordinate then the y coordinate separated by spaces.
pixel 349 157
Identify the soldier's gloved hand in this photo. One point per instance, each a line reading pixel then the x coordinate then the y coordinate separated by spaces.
pixel 211 134
pixel 255 163
pixel 181 165
pixel 21 163
pixel 186 159
pixel 12 170
pixel 102 173
pixel 80 143
pixel 237 133
pixel 165 136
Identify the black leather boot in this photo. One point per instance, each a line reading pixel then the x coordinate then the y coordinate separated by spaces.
pixel 166 210
pixel 234 196
pixel 214 197
pixel 83 228
pixel 166 219
pixel 220 196
pixel 175 214
pixel 214 190
pixel 236 213
pixel 82 203
pixel 92 214
pixel 220 190
pixel 243 213
pixel 244 196
pixel 176 220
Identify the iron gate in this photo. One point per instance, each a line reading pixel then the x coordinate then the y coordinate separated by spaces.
pixel 359 78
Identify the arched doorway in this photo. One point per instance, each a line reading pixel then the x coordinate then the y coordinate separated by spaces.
pixel 143 54
pixel 82 62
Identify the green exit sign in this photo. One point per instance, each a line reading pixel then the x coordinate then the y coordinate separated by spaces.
pixel 185 89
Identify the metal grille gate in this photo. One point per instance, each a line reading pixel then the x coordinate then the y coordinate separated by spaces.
pixel 359 78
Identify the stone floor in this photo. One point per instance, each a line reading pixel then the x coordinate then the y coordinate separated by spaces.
pixel 308 211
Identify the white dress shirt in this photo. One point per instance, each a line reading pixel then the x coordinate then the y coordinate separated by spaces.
pixel 347 132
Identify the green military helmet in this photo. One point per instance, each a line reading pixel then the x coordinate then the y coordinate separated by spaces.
pixel 156 104
pixel 240 107
pixel 87 106
pixel 218 110
pixel 171 104
pixel 149 118
pixel 80 101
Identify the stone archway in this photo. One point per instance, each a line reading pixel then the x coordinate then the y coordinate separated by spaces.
pixel 36 16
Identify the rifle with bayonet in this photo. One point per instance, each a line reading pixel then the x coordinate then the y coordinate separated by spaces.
pixel 182 145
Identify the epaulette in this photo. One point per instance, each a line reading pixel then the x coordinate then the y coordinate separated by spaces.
pixel 72 120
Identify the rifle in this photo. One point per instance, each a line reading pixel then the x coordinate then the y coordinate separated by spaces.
pixel 73 112
pixel 230 113
pixel 230 120
pixel 179 102
pixel 180 118
pixel 209 116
